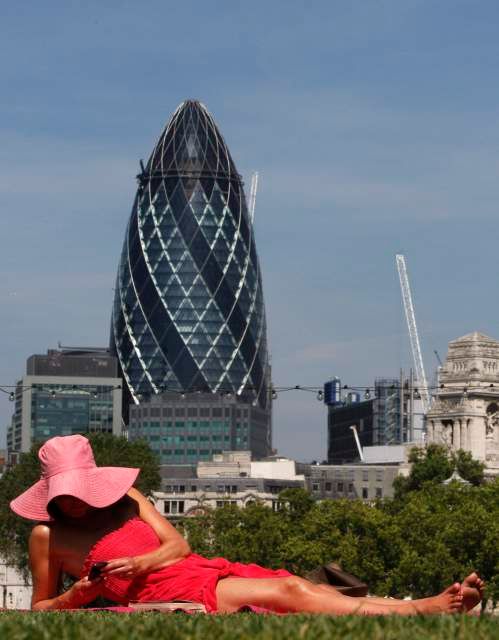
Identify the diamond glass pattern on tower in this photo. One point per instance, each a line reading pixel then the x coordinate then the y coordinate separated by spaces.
pixel 188 312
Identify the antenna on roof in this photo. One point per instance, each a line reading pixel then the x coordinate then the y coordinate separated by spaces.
pixel 252 197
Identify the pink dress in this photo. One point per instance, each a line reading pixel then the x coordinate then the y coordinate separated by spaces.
pixel 193 578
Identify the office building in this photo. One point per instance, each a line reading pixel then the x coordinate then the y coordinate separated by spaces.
pixel 64 392
pixel 342 447
pixel 188 313
pixel 185 428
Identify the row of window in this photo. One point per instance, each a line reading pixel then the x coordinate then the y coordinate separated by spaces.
pixel 157 412
pixel 350 474
pixel 189 424
pixel 176 507
pixel 221 488
pixel 194 439
pixel 340 488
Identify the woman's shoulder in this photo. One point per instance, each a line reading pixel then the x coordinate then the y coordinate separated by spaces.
pixel 41 531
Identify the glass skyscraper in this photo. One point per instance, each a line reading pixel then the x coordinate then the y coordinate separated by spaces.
pixel 188 312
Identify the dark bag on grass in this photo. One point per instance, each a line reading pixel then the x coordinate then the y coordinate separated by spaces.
pixel 334 575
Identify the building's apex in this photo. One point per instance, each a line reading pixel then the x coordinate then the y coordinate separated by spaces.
pixel 190 146
pixel 474 337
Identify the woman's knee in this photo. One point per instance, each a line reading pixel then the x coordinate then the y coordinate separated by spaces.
pixel 296 587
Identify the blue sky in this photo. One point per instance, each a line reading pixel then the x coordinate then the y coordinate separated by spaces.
pixel 374 126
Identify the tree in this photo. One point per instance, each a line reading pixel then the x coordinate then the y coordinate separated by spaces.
pixel 468 468
pixel 108 450
pixel 434 464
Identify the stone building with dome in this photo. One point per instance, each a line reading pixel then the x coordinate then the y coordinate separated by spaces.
pixel 465 411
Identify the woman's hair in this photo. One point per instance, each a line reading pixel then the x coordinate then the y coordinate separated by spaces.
pixel 54 511
pixel 57 514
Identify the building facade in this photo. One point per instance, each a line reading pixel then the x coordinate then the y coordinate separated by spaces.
pixel 188 312
pixel 230 478
pixel 233 478
pixel 15 591
pixel 341 445
pixel 185 428
pixel 465 410
pixel 65 392
pixel 352 481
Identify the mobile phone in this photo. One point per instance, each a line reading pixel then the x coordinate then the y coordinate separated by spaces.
pixel 95 570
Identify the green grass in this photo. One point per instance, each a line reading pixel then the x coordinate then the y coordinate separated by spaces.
pixel 153 626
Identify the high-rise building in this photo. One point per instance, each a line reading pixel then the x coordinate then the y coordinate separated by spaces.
pixel 188 312
pixel 64 392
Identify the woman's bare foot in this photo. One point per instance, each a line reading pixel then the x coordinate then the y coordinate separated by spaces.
pixel 472 589
pixel 449 601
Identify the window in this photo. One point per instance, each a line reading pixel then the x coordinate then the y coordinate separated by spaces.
pixel 328 486
pixel 350 488
pixel 174 507
pixel 315 486
pixel 365 493
pixel 192 412
pixel 365 476
pixel 340 487
pixel 379 492
pixel 379 476
pixel 193 488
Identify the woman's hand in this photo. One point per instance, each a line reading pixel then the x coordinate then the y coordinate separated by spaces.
pixel 128 568
pixel 83 591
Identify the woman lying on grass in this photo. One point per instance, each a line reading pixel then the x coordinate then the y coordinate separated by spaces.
pixel 92 514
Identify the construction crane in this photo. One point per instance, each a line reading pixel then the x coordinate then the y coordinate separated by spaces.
pixel 252 196
pixel 413 332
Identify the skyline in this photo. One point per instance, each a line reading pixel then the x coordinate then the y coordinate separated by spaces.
pixel 374 130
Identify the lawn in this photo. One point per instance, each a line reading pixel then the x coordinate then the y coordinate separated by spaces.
pixel 93 626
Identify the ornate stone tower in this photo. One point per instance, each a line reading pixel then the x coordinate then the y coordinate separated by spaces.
pixel 465 413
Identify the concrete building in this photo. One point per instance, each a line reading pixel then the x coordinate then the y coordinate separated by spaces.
pixel 231 477
pixel 15 592
pixel 352 481
pixel 368 480
pixel 63 392
pixel 465 411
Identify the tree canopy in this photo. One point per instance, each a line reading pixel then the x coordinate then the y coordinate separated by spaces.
pixel 434 464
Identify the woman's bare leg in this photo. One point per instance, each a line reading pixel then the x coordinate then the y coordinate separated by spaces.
pixel 294 595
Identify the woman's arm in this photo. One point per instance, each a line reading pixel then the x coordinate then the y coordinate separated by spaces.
pixel 173 546
pixel 46 571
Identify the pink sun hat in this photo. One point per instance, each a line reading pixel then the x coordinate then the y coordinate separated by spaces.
pixel 69 469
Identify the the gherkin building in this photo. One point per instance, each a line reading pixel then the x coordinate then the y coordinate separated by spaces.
pixel 188 314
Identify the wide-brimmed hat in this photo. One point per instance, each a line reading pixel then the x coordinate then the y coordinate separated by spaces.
pixel 69 469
